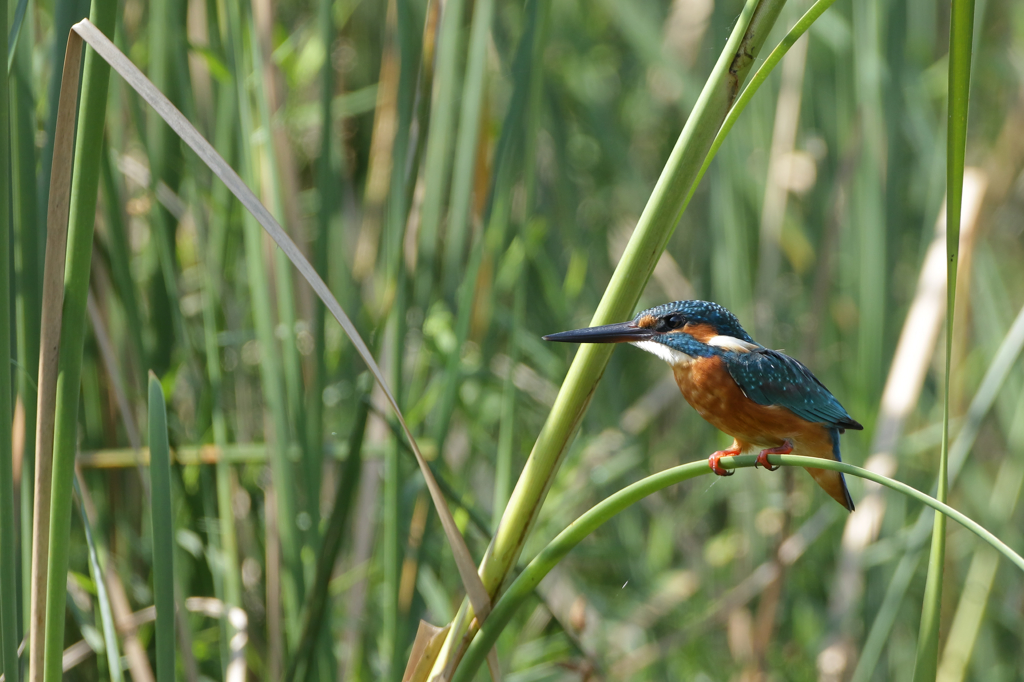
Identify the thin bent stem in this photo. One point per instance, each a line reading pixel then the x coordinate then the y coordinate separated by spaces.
pixel 589 522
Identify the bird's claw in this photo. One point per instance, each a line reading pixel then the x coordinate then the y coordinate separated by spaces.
pixel 713 462
pixel 762 459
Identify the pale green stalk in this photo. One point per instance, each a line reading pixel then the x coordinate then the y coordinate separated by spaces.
pixel 961 36
pixel 81 220
pixel 521 589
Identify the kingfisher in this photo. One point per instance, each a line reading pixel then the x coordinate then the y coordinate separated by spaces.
pixel 766 400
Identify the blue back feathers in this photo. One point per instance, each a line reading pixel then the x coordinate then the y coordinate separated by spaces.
pixel 769 377
pixel 765 376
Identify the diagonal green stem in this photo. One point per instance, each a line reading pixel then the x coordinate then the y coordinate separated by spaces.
pixel 648 241
pixel 593 519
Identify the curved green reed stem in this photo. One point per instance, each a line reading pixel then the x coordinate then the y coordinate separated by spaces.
pixel 558 548
pixel 799 28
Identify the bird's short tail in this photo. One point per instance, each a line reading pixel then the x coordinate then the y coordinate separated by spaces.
pixel 833 482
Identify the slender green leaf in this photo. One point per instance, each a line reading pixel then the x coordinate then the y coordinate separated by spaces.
pixel 961 36
pixel 162 520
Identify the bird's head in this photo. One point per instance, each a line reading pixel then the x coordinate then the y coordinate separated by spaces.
pixel 676 332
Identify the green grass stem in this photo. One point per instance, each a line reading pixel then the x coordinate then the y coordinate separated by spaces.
pixel 523 586
pixel 961 36
pixel 8 552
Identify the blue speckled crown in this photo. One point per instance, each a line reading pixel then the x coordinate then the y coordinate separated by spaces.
pixel 721 319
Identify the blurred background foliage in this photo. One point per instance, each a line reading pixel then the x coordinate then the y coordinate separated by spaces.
pixel 466 180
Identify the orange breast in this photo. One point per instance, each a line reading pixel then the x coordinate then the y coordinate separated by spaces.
pixel 710 389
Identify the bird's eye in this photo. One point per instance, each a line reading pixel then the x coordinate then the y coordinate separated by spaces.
pixel 674 321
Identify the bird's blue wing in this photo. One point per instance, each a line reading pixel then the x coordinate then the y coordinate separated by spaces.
pixel 771 378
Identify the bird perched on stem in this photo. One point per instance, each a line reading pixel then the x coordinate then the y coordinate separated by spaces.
pixel 764 399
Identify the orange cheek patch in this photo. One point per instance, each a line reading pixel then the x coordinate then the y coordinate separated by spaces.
pixel 700 331
pixel 647 321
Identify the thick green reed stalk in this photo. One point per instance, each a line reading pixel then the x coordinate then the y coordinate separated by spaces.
pixel 961 34
pixel 656 225
pixel 86 175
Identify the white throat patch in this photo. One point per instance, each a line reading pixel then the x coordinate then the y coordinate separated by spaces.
pixel 666 353
pixel 732 343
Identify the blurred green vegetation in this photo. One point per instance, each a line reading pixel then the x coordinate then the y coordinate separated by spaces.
pixel 465 185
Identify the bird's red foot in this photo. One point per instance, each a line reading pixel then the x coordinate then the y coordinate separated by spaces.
pixel 784 449
pixel 718 468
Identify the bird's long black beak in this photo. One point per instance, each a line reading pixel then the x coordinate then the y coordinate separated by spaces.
pixel 623 332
